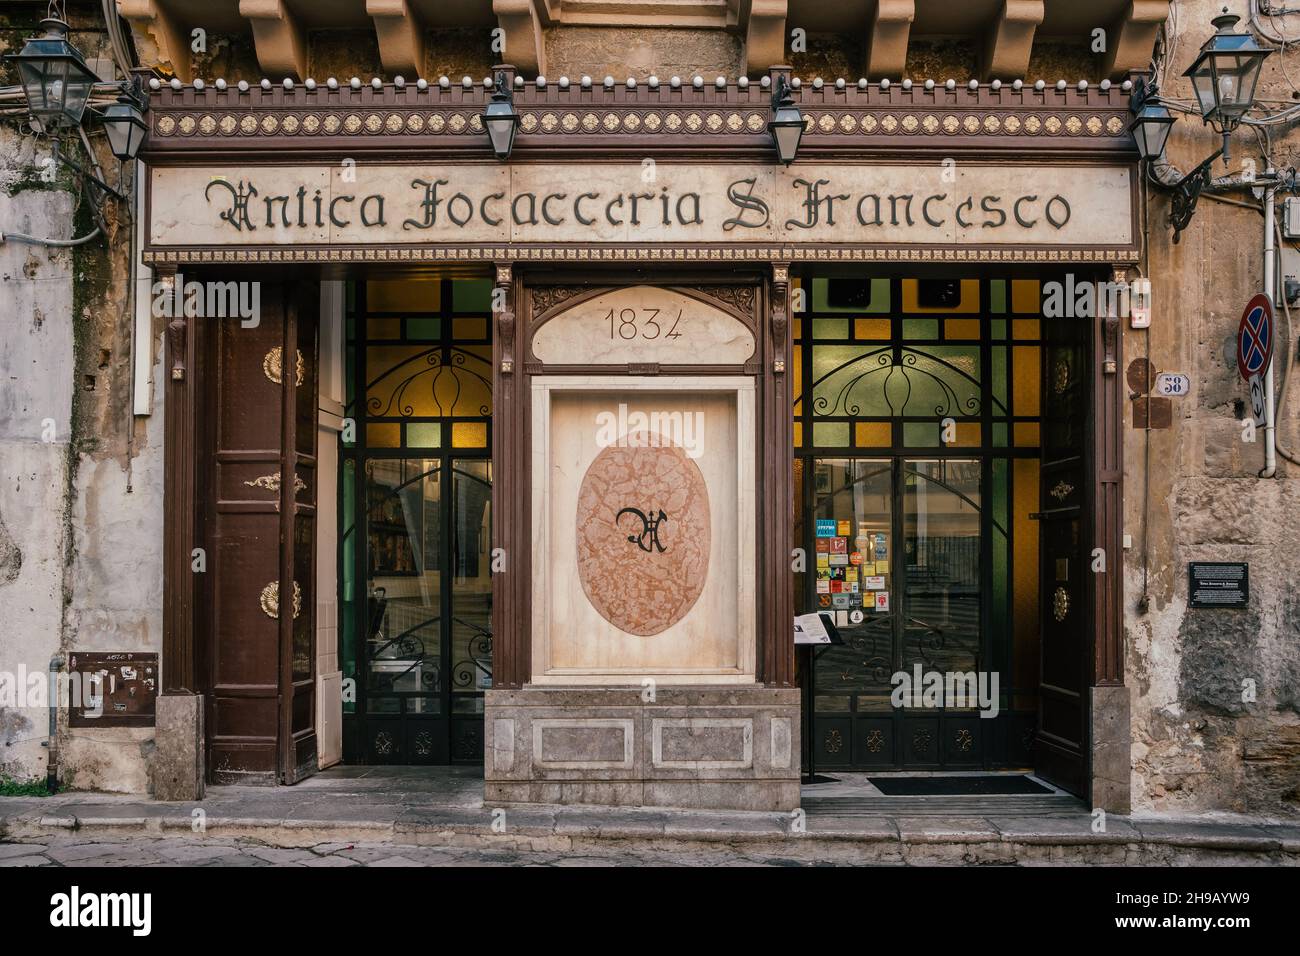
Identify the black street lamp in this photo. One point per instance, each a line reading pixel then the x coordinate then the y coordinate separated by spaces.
pixel 54 77
pixel 1151 123
pixel 1224 76
pixel 500 118
pixel 787 124
pixel 125 127
pixel 1225 73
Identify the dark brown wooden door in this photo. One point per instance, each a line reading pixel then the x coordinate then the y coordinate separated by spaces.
pixel 298 537
pixel 261 655
pixel 1060 745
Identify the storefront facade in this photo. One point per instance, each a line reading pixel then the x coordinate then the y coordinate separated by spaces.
pixel 846 395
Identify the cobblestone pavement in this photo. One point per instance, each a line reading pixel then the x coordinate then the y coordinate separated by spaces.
pixel 436 816
pixel 182 851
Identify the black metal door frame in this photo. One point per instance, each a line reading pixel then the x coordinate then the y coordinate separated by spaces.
pixel 444 737
pixel 898 720
pixel 1008 743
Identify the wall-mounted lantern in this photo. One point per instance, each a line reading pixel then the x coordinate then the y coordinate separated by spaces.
pixel 1152 121
pixel 501 119
pixel 787 123
pixel 1225 73
pixel 54 77
pixel 1224 76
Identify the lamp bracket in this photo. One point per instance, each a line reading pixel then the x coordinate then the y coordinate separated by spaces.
pixel 87 174
pixel 1187 191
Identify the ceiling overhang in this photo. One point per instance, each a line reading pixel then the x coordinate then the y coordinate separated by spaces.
pixel 1002 31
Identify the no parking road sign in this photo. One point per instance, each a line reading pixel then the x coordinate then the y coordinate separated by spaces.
pixel 1255 337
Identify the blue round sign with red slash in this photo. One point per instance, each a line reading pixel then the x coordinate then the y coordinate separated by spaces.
pixel 1255 337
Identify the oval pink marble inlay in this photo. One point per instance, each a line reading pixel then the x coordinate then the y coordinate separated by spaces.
pixel 633 584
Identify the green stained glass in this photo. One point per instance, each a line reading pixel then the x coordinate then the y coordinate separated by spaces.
pixel 944 380
pixel 998 328
pixel 998 296
pixel 830 328
pixel 850 294
pixel 471 295
pixel 427 329
pixel 347 622
pixel 348 436
pixel 998 373
pixel 922 434
pixel 423 435
pixel 831 434
pixel 920 328
pixel 851 380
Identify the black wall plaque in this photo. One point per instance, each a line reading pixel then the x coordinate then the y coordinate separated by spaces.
pixel 1218 583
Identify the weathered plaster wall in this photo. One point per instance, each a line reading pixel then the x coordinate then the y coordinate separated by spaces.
pixel 641 52
pixel 1196 744
pixel 80 475
pixel 35 404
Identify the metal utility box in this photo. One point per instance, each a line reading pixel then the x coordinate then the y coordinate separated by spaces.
pixel 112 690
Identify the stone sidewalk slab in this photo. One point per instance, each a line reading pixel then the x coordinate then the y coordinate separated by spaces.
pixel 443 808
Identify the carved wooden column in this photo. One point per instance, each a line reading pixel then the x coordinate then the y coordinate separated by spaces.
pixel 510 463
pixel 1108 492
pixel 776 501
pixel 180 450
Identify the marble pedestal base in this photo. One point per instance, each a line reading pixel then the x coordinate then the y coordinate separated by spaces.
pixel 702 747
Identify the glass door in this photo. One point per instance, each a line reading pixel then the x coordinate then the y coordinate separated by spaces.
pixel 898 563
pixel 939 613
pixel 469 590
pixel 427 648
pixel 415 522
pixel 402 647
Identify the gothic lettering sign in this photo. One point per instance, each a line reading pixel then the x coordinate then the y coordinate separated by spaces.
pixel 643 324
pixel 326 206
pixel 643 534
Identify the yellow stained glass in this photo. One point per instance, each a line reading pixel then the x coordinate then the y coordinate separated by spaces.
pixel 1024 537
pixel 961 328
pixel 1026 434
pixel 970 297
pixel 798 374
pixel 411 380
pixel 384 328
pixel 403 295
pixel 1025 296
pixel 872 434
pixel 1026 328
pixel 469 434
pixel 1025 381
pixel 871 328
pixel 469 328
pixel 798 434
pixel 386 435
pixel 967 434
pixel 797 327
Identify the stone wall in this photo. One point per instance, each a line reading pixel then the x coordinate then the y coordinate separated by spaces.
pixel 80 474
pixel 1192 493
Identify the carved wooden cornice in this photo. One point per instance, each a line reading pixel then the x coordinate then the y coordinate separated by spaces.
pixel 197 123
pixel 641 253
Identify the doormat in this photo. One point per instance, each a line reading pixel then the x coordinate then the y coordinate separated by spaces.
pixel 955 786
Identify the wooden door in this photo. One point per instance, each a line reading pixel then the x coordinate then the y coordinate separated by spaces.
pixel 261 680
pixel 1060 745
pixel 298 536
